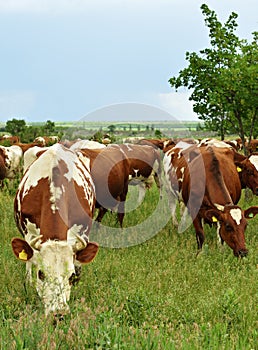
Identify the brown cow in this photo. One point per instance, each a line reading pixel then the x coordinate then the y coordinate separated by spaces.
pixel 9 140
pixel 145 165
pixel 202 184
pixel 53 210
pixel 110 169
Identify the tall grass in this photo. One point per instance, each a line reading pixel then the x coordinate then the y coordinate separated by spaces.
pixel 155 295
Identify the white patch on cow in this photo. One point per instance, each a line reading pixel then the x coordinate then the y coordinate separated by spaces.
pixel 236 215
pixel 31 155
pixel 56 260
pixel 136 171
pixel 56 194
pixel 254 160
pixel 41 140
pixel 129 148
pixel 32 229
pixel 89 144
pixel 182 171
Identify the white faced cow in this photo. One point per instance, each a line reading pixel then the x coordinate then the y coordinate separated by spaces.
pixel 53 210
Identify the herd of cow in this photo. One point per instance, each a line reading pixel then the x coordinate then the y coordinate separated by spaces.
pixel 63 184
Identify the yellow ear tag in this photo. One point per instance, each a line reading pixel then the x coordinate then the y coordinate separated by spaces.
pixel 214 219
pixel 23 255
pixel 239 169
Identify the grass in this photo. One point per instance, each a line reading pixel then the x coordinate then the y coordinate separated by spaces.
pixel 153 295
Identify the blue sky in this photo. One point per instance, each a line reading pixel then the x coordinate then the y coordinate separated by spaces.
pixel 64 59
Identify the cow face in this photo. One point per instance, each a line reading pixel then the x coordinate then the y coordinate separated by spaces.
pixel 248 175
pixel 232 223
pixel 55 269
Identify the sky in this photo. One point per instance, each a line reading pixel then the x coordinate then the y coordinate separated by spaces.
pixel 71 60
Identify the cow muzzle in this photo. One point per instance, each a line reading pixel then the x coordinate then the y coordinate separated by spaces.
pixel 241 253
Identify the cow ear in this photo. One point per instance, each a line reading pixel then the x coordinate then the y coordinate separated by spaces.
pixel 22 250
pixel 251 212
pixel 87 254
pixel 213 215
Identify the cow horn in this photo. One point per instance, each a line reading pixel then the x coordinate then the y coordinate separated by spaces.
pixel 35 242
pixel 219 207
pixel 80 243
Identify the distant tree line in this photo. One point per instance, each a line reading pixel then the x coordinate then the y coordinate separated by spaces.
pixel 27 133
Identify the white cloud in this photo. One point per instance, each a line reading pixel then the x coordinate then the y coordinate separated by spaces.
pixel 178 105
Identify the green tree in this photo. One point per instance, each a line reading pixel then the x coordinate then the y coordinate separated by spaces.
pixel 223 79
pixel 15 126
pixel 49 127
pixel 111 128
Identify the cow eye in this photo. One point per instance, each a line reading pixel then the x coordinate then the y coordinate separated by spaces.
pixel 250 172
pixel 72 279
pixel 41 275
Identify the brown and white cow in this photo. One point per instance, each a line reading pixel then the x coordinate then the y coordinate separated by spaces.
pixel 247 171
pixel 206 183
pixel 46 140
pixel 110 170
pixel 145 166
pixel 11 159
pixel 9 140
pixel 53 210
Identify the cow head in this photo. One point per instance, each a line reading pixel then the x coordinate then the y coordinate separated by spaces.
pixel 231 221
pixel 55 268
pixel 248 175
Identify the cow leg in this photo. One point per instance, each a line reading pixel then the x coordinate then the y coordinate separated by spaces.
pixel 158 183
pixel 199 232
pixel 101 213
pixel 121 206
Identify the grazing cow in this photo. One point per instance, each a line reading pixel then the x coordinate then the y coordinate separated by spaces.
pixel 89 144
pixel 202 184
pixel 145 166
pixel 46 140
pixel 247 172
pixel 9 140
pixel 11 158
pixel 53 210
pixel 110 170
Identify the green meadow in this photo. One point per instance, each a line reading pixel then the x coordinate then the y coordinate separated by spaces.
pixel 153 295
